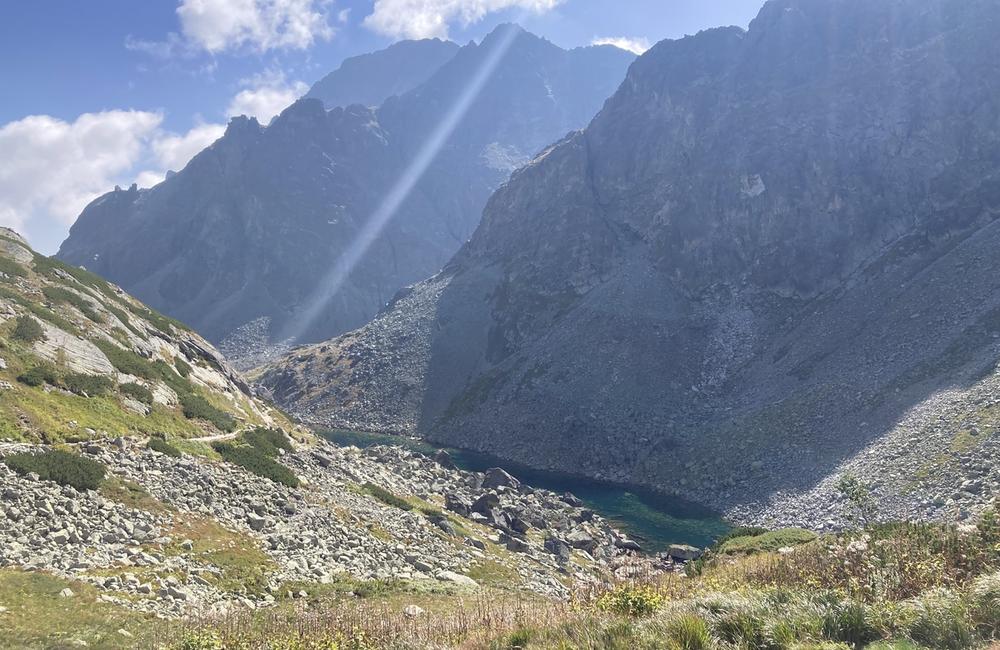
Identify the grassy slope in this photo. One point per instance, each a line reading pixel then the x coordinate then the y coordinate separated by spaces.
pixel 84 305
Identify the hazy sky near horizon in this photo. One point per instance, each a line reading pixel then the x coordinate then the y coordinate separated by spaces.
pixel 106 92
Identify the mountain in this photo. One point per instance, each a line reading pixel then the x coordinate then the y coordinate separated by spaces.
pixel 82 359
pixel 370 79
pixel 767 266
pixel 306 228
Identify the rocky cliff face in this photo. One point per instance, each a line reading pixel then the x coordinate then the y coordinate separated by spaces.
pixel 252 227
pixel 370 79
pixel 80 359
pixel 753 273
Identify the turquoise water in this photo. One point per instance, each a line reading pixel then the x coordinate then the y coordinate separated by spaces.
pixel 654 520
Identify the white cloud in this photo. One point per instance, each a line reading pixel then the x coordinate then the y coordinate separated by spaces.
pixel 219 25
pixel 344 15
pixel 431 18
pixel 175 151
pixel 172 151
pixel 635 45
pixel 51 169
pixel 266 95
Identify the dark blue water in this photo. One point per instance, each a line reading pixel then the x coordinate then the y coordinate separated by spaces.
pixel 653 519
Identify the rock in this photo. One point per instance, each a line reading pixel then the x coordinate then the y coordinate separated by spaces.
pixel 443 458
pixel 517 545
pixel 256 522
pixel 323 460
pixel 457 504
pixel 486 503
pixel 581 539
pixel 457 578
pixel 412 611
pixel 497 477
pixel 557 547
pixel 684 552
pixel 66 593
pixel 571 499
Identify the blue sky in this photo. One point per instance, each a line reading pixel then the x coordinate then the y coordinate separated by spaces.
pixel 99 92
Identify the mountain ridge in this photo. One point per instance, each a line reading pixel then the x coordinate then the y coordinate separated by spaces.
pixel 727 242
pixel 214 244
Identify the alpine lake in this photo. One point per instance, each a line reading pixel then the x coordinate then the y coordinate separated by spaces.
pixel 653 519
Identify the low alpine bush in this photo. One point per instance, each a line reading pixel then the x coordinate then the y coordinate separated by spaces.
pixel 60 466
pixel 27 330
pixel 164 447
pixel 137 392
pixel 197 407
pixel 90 385
pixel 42 374
pixel 257 463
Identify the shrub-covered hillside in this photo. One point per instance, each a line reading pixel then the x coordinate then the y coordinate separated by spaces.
pixel 83 359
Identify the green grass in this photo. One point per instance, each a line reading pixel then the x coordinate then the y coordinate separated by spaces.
pixel 60 466
pixel 38 618
pixel 52 412
pixel 768 542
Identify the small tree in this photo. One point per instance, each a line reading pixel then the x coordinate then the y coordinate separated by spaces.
pixel 28 330
pixel 858 496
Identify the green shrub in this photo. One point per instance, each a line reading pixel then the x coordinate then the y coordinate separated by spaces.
pixel 91 385
pixel 164 447
pixel 739 531
pixel 28 330
pixel 137 392
pixel 257 463
pixel 268 441
pixel 126 361
pixel 62 467
pixel 630 600
pixel 386 497
pixel 741 626
pixel 61 295
pixel 768 542
pixel 197 407
pixel 183 367
pixel 689 632
pixel 45 373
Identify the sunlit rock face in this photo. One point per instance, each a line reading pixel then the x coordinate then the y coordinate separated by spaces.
pixel 767 248
pixel 250 228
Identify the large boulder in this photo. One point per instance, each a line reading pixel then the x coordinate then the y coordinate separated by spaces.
pixel 497 478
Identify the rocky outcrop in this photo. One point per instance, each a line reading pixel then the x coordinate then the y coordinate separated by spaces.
pixel 296 227
pixel 769 252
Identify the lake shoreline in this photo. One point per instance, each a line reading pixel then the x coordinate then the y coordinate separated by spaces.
pixel 655 519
